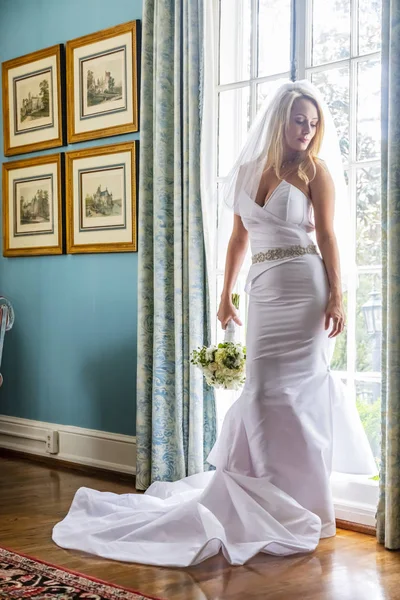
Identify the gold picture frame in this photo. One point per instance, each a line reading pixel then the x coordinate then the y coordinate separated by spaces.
pixel 102 83
pixel 32 206
pixel 101 199
pixel 33 101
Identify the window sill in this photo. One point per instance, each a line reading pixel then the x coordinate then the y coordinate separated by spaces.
pixel 355 498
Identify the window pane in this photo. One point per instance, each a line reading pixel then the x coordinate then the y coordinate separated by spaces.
pixel 368 216
pixel 264 89
pixel 339 360
pixel 368 109
pixel 234 119
pixel 225 224
pixel 334 87
pixel 369 26
pixel 235 30
pixel 368 344
pixel 273 37
pixel 330 31
pixel 368 400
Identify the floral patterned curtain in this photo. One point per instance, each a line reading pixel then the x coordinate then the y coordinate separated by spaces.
pixel 176 420
pixel 388 516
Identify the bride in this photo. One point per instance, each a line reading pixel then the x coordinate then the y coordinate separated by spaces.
pixel 293 424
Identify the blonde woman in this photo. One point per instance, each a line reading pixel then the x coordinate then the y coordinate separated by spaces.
pixel 293 423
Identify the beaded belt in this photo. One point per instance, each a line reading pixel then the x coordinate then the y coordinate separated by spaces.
pixel 289 252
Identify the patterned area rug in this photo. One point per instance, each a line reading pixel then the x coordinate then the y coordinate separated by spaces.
pixel 25 577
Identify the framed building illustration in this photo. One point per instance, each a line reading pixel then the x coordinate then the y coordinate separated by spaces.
pixel 101 199
pixel 32 206
pixel 33 101
pixel 102 83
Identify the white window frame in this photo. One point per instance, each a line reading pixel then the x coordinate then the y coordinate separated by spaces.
pixel 356 497
pixel 305 70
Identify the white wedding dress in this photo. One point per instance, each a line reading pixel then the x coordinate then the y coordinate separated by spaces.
pixel 292 425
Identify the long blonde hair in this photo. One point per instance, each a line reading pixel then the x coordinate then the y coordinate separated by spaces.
pixel 278 125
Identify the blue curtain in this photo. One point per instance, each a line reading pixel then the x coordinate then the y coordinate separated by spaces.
pixel 176 418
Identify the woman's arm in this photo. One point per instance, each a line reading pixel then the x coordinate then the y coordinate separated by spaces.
pixel 236 252
pixel 323 199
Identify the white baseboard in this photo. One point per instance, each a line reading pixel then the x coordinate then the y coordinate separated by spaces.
pixel 355 497
pixel 89 447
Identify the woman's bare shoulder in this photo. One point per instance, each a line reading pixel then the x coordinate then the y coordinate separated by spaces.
pixel 321 168
pixel 321 174
pixel 321 184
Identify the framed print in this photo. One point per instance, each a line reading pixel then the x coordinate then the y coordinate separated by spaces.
pixel 32 101
pixel 101 199
pixel 102 97
pixel 32 206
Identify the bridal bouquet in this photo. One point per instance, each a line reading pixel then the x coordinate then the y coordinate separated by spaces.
pixel 223 365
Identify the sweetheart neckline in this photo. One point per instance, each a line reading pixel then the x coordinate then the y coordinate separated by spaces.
pixel 276 189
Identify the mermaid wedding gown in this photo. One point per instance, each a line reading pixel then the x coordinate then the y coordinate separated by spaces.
pixel 291 426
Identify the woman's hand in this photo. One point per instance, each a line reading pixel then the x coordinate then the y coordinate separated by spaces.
pixel 335 311
pixel 226 312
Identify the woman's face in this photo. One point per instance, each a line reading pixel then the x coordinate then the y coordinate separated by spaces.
pixel 302 124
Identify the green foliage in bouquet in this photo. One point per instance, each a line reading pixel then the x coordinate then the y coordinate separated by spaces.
pixel 223 365
pixel 235 300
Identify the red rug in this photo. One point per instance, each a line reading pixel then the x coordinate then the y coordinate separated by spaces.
pixel 25 577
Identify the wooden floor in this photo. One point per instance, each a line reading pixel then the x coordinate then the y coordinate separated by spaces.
pixel 351 566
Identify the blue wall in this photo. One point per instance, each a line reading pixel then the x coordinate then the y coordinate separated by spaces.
pixel 71 356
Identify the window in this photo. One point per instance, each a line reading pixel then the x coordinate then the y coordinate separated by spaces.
pixel 336 45
pixel 341 57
